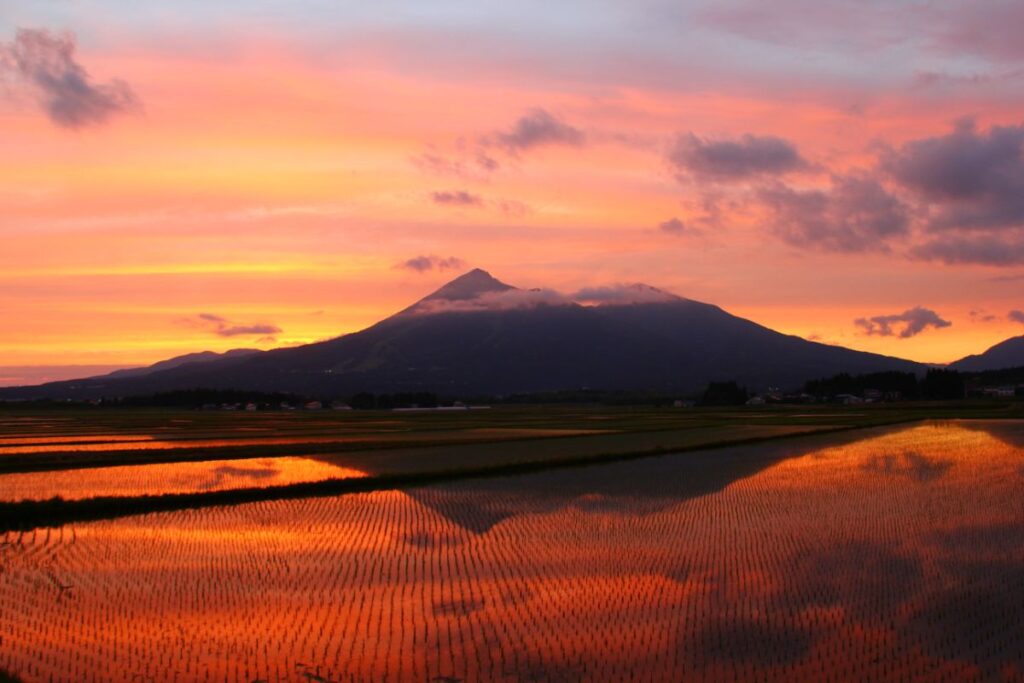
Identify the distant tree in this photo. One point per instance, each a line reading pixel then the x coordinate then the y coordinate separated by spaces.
pixel 418 399
pixel 724 394
pixel 194 398
pixel 942 384
pixel 889 383
pixel 363 401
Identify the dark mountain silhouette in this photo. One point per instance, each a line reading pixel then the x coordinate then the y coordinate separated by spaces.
pixel 178 361
pixel 1005 354
pixel 477 335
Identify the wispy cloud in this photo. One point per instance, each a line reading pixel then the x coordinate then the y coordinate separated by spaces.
pixel 422 264
pixel 511 299
pixel 674 226
pixel 1016 316
pixel 45 62
pixel 464 161
pixel 223 327
pixel 622 295
pixel 456 198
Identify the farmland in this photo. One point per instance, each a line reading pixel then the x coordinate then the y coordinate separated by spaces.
pixel 167 478
pixel 886 553
pixel 890 554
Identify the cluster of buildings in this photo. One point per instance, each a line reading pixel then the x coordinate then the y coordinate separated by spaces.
pixel 1007 391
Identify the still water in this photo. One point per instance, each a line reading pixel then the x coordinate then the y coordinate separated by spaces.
pixel 166 478
pixel 891 555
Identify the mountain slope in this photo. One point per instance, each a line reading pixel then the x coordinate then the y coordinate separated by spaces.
pixel 478 335
pixel 1006 354
pixel 178 361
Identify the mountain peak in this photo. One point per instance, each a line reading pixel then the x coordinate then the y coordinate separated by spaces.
pixel 469 286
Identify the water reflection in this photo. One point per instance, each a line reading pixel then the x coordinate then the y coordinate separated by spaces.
pixel 911 465
pixel 892 558
pixel 159 479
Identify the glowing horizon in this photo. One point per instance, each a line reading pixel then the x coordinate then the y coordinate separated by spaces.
pixel 804 167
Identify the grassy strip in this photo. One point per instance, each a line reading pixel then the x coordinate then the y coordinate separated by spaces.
pixel 75 460
pixel 28 515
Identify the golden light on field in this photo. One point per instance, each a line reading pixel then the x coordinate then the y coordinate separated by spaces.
pixel 861 559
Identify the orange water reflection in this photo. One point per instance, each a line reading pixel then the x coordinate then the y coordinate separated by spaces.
pixel 147 443
pixel 896 557
pixel 158 479
pixel 29 439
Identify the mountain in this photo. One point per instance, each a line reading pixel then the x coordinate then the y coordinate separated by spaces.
pixel 478 335
pixel 178 361
pixel 1006 354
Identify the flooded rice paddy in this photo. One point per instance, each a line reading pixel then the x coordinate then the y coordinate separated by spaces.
pixel 883 555
pixel 169 478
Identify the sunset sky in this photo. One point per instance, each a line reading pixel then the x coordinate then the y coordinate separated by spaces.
pixel 210 175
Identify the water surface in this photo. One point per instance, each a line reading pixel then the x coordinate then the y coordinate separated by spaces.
pixel 892 556
pixel 160 479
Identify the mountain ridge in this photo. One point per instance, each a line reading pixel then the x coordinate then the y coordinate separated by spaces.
pixel 1008 353
pixel 178 361
pixel 477 335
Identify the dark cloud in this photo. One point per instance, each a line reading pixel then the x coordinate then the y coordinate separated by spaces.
pixel 223 327
pixel 989 250
pixel 422 264
pixel 970 180
pixel 479 157
pixel 728 160
pixel 857 214
pixel 1016 316
pixel 456 198
pixel 538 128
pixel 913 322
pixel 46 62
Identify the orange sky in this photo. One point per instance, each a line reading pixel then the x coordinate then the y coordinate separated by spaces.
pixel 277 174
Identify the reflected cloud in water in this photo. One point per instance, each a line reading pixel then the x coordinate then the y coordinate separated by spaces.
pixel 911 465
pixel 822 559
